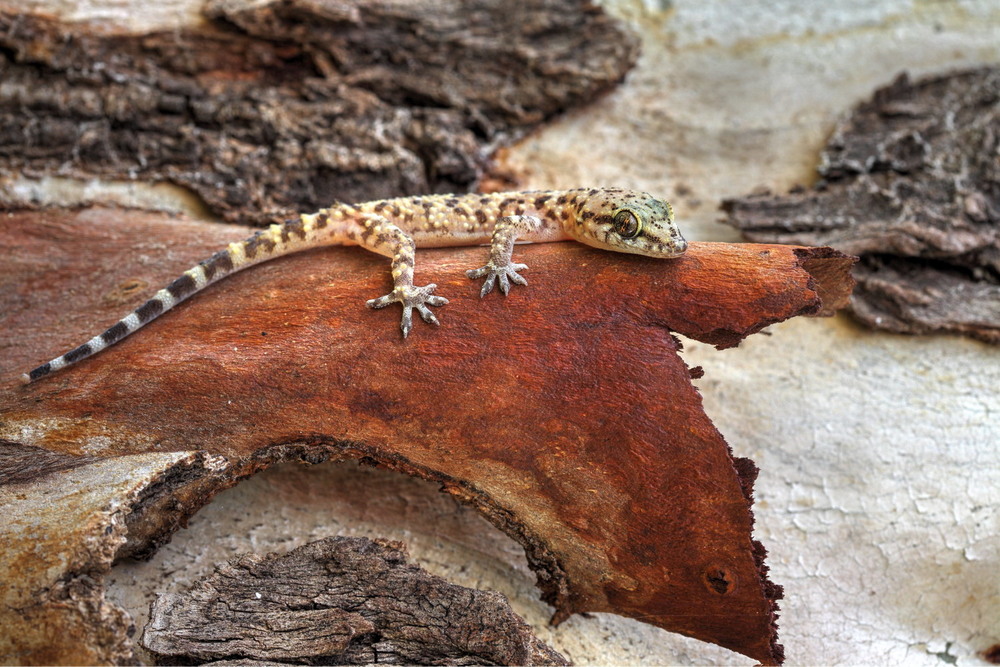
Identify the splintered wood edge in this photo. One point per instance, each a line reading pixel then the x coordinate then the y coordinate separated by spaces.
pixel 831 272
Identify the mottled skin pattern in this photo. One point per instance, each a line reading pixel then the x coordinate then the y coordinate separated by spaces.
pixel 612 219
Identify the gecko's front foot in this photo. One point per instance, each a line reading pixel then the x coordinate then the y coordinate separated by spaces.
pixel 505 273
pixel 411 297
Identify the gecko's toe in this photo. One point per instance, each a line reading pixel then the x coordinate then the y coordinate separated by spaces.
pixel 477 273
pixel 436 301
pixel 427 315
pixel 407 323
pixel 380 302
pixel 488 285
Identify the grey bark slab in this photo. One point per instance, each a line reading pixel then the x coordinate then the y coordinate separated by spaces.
pixel 911 182
pixel 343 601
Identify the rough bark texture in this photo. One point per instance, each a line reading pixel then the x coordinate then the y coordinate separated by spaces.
pixel 288 105
pixel 911 182
pixel 339 601
pixel 562 412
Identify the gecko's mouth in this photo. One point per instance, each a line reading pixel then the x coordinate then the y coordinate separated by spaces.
pixel 673 247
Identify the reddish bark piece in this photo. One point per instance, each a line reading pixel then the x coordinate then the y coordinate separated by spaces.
pixel 562 412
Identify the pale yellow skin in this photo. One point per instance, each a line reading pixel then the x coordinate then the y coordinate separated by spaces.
pixel 611 219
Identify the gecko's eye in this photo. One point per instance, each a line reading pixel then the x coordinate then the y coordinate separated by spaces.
pixel 626 224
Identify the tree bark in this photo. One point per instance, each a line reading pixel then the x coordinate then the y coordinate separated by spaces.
pixel 339 601
pixel 281 107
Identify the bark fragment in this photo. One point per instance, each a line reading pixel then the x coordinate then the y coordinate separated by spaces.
pixel 342 601
pixel 911 183
pixel 562 412
pixel 284 106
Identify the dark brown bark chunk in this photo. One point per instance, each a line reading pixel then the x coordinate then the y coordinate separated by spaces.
pixel 562 412
pixel 911 182
pixel 287 106
pixel 339 601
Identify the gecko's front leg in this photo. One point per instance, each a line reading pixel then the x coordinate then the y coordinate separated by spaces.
pixel 384 237
pixel 499 267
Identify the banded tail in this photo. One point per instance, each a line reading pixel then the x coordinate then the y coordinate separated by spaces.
pixel 264 245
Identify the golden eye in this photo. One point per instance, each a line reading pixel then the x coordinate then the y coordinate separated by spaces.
pixel 626 224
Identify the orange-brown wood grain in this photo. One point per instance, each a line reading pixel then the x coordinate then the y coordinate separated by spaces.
pixel 562 412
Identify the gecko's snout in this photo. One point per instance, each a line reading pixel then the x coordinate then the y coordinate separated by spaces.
pixel 675 245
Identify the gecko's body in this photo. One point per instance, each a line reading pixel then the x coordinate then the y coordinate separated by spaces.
pixel 613 219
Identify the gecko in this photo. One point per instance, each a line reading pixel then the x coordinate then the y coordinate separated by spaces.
pixel 608 218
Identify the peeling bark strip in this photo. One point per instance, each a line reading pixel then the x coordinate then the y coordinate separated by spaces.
pixel 911 182
pixel 289 105
pixel 343 601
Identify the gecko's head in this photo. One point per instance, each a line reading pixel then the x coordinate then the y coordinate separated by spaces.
pixel 629 221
